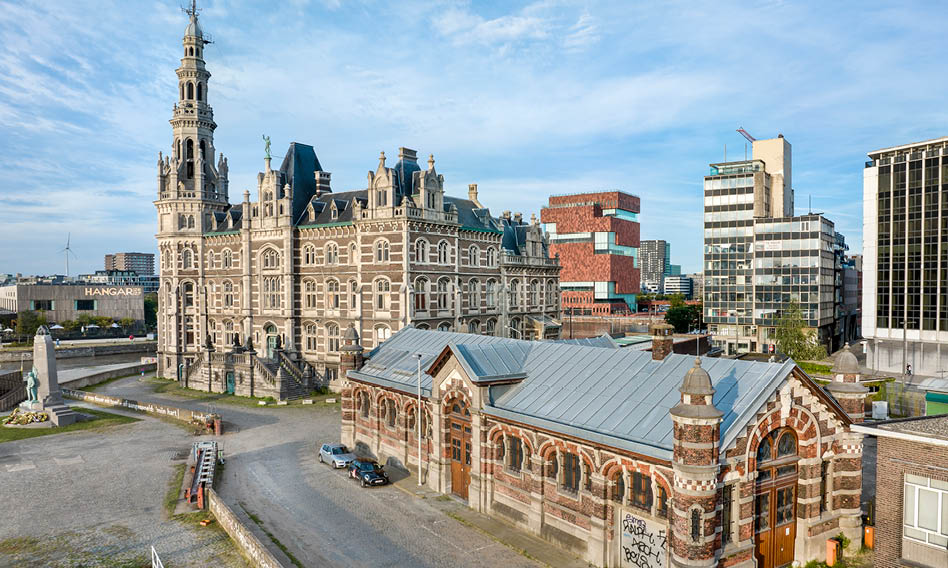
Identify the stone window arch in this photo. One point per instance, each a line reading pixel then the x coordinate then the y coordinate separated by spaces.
pixel 332 337
pixel 443 297
pixel 390 412
pixel 491 259
pixel 640 491
pixel 272 288
pixel 535 293
pixel 190 221
pixel 473 255
pixel 474 293
pixel 421 251
pixel 383 293
pixel 353 287
pixel 309 294
pixel 200 91
pixel 309 255
pixel 514 293
pixel 187 294
pixel 365 405
pixel 382 332
pixel 332 253
pixel 210 260
pixel 382 250
pixel 444 255
pixel 491 326
pixel 421 294
pixel 444 326
pixel 491 294
pixel 227 289
pixel 186 259
pixel 474 326
pixel 191 87
pixel 311 333
pixel 227 258
pixel 270 259
pixel 333 300
pixel 353 254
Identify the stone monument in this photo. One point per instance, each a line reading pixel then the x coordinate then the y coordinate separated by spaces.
pixel 43 394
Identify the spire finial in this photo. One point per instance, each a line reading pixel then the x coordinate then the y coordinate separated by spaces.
pixel 381 159
pixel 430 161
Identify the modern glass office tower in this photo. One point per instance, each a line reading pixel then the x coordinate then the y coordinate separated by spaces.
pixel 905 264
pixel 758 257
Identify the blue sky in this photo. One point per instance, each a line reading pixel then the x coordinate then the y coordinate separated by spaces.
pixel 525 100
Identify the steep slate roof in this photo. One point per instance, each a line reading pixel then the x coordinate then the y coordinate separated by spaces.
pixel 299 171
pixel 617 397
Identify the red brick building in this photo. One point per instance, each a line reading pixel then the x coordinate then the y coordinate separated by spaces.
pixel 623 457
pixel 596 236
pixel 911 491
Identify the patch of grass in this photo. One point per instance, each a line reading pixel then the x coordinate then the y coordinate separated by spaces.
pixel 174 488
pixel 275 540
pixel 442 498
pixel 19 545
pixel 100 419
pixel 815 368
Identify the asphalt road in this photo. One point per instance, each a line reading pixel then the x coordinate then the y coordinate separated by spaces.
pixel 321 516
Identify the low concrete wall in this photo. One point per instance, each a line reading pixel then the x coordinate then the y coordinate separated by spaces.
pixel 90 351
pixel 96 378
pixel 182 414
pixel 238 527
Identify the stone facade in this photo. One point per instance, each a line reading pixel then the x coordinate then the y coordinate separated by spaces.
pixel 699 506
pixel 286 272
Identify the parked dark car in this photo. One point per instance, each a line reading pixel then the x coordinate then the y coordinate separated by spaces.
pixel 368 473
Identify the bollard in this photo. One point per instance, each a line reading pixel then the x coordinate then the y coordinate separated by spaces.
pixel 869 537
pixel 201 496
pixel 217 426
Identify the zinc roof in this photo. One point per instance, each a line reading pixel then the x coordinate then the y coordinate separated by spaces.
pixel 618 397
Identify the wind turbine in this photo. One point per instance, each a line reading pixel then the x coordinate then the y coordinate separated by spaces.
pixel 68 252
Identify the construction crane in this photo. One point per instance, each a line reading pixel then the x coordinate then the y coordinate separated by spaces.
pixel 744 133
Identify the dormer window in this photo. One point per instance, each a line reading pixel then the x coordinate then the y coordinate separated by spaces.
pixel 333 213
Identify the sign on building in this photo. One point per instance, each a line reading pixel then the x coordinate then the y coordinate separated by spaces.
pixel 644 543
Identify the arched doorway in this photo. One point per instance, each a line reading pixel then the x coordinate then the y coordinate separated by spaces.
pixel 271 332
pixel 459 445
pixel 775 499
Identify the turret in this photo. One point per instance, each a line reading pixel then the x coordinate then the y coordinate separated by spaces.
pixel 846 387
pixel 697 437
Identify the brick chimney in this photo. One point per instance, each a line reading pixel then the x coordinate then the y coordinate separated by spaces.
pixel 472 194
pixel 322 183
pixel 661 340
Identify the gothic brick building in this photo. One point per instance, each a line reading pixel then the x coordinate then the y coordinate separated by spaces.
pixel 625 458
pixel 255 296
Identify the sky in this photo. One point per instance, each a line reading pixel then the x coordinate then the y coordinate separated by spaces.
pixel 524 99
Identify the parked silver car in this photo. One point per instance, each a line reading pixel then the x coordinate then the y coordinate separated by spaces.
pixel 335 455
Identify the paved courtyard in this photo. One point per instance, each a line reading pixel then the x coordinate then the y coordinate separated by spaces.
pixel 96 498
pixel 317 513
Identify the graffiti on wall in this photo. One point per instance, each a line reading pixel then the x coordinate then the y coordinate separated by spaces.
pixel 644 543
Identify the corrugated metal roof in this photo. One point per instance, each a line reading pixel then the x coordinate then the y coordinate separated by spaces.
pixel 603 340
pixel 616 396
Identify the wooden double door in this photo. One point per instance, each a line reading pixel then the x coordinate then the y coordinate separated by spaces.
pixel 461 449
pixel 776 521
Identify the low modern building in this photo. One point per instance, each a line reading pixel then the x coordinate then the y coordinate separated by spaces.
pixel 678 285
pixel 67 302
pixel 905 248
pixel 624 457
pixel 142 263
pixel 911 492
pixel 596 236
pixel 149 284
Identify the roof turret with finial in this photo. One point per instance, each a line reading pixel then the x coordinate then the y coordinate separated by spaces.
pixel 696 395
pixel 193 29
pixel 846 363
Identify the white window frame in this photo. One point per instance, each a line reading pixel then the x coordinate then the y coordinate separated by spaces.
pixel 937 538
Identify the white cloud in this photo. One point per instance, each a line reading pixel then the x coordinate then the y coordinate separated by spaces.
pixel 583 34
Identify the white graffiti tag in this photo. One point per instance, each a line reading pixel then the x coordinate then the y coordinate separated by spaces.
pixel 644 543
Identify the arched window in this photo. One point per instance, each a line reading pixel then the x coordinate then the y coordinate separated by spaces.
pixel 421 294
pixel 382 332
pixel 271 259
pixel 516 328
pixel 491 327
pixel 491 257
pixel 353 254
pixel 572 472
pixel 332 337
pixel 182 84
pixel 191 89
pixel 186 259
pixel 390 412
pixel 189 151
pixel 554 467
pixel 309 255
pixel 661 508
pixel 618 486
pixel 695 525
pixel 514 454
pixel 332 294
pixel 332 253
pixel 473 255
pixel 513 301
pixel 200 92
pixel 474 294
pixel 229 336
pixel 188 294
pixel 444 326
pixel 443 256
pixel 474 326
pixel 425 422
pixel 353 295
pixel 309 294
pixel 311 332
pixel 210 260
pixel 421 250
pixel 381 251
pixel 442 294
pixel 641 491
pixel 228 291
pixel 272 287
pixel 550 294
pixel 203 148
pixel 190 221
pixel 534 293
pixel 491 293
pixel 383 289
pixel 227 258
pixel 364 404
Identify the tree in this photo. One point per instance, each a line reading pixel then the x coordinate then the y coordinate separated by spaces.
pixel 676 300
pixel 793 340
pixel 70 325
pixel 126 323
pixel 28 322
pixel 103 321
pixel 151 309
pixel 685 318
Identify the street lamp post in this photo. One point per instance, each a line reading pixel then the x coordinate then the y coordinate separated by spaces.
pixel 418 416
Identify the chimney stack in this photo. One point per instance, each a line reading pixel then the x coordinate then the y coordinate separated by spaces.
pixel 472 194
pixel 661 340
pixel 322 183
